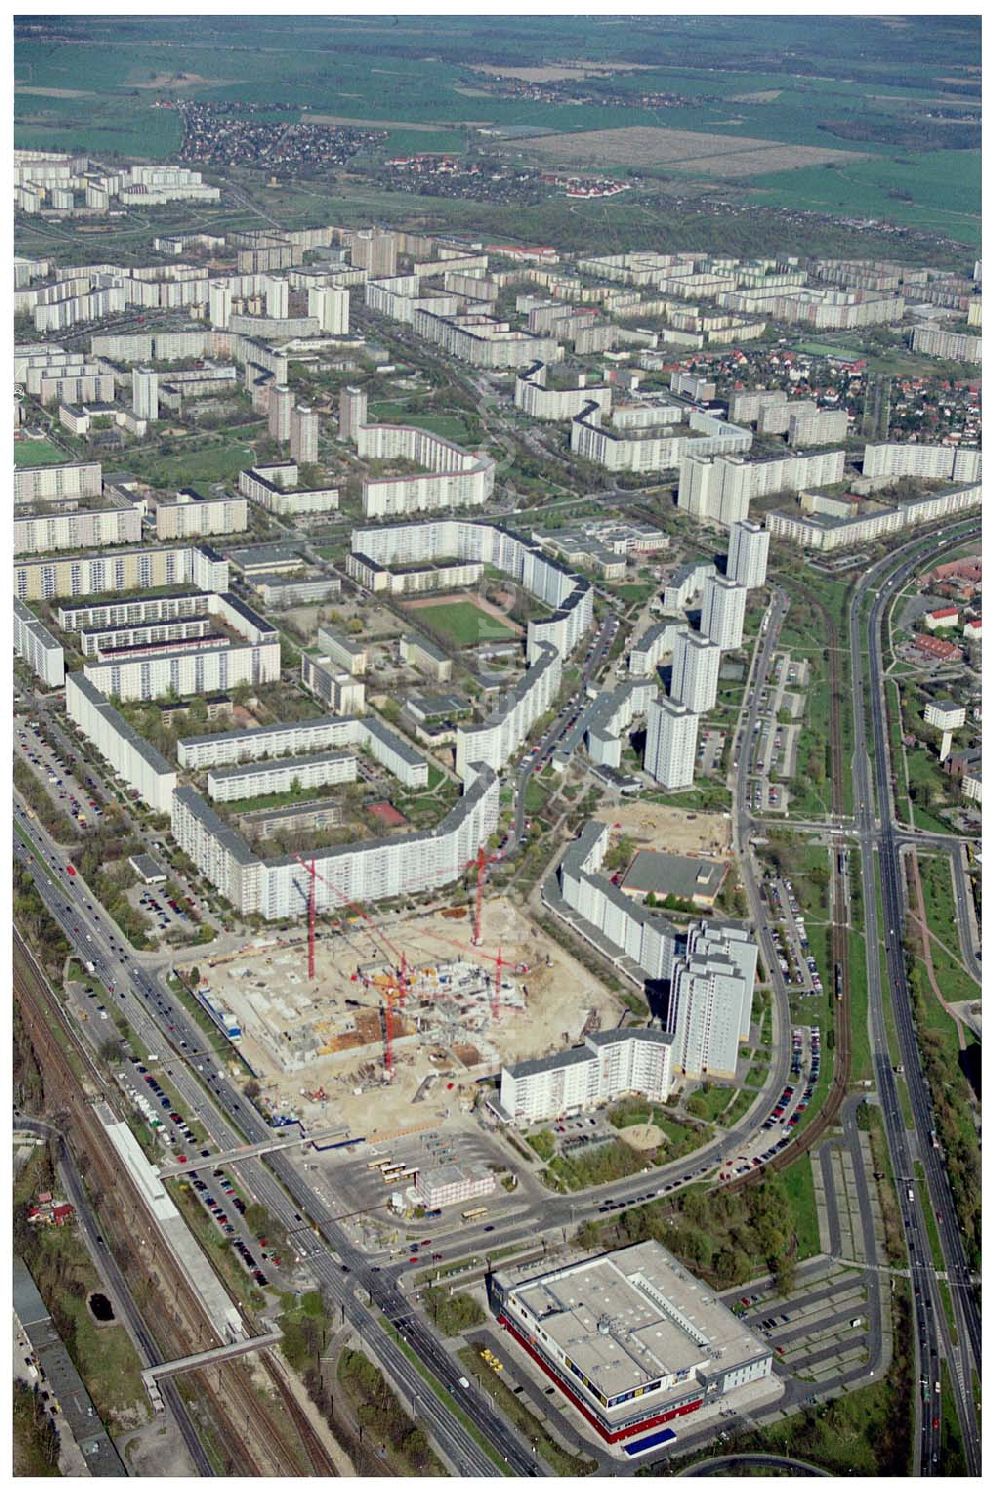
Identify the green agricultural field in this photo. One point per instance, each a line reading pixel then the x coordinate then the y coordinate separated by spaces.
pixel 465 624
pixel 31 451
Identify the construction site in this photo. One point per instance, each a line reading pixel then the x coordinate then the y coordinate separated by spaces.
pixel 411 1006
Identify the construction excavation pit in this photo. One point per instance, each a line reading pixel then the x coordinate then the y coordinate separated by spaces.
pixel 408 1005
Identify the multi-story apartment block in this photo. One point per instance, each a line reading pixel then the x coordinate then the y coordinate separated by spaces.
pixel 118 572
pixel 188 514
pixel 686 585
pixel 496 739
pixel 457 479
pixel 922 461
pixel 280 403
pixel 109 526
pixel 655 643
pixel 721 488
pixel 275 487
pixel 558 402
pixel 304 434
pixel 482 340
pixel 57 482
pixel 723 612
pixel 671 744
pixel 746 560
pixel 645 439
pixel 331 768
pixel 38 647
pixel 815 427
pixel 349 874
pixel 373 250
pixel 943 714
pixel 642 942
pixel 132 758
pixel 570 596
pixel 101 641
pixel 602 1068
pixel 180 669
pixel 711 998
pixel 132 612
pixel 694 677
pixel 942 344
pixel 827 533
pixel 146 394
pixel 334 687
pixel 330 306
pixel 352 412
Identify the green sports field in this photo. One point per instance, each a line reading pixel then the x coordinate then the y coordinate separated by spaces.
pixel 464 624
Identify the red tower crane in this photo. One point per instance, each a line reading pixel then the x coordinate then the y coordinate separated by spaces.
pixel 479 864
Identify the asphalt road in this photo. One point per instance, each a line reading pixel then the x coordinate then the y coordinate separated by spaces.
pixel 879 844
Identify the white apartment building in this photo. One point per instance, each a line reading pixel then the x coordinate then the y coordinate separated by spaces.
pixel 334 688
pixel 605 1066
pixel 307 737
pixel 189 515
pixel 38 647
pixel 346 652
pixel 280 402
pixel 645 449
pixel 373 250
pixel 275 487
pixel 99 640
pixel 722 612
pixel 131 757
pixel 686 585
pixel 711 998
pixel 136 611
pixel 304 434
pixel 694 677
pixel 498 737
pixel 457 479
pixel 570 596
pixel 352 412
pixel 180 673
pixel 941 344
pixel 111 526
pixel 482 340
pixel 721 488
pixel 146 394
pixel 652 647
pixel 922 461
pixel 605 720
pixel 57 482
pixel 826 533
pixel 329 769
pixel 545 403
pixel 943 714
pixel 746 560
pixel 414 579
pixel 642 942
pixel 330 306
pixel 361 873
pixel 121 572
pixel 671 744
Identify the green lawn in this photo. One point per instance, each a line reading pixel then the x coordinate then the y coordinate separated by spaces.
pixel 216 463
pixel 798 1183
pixel 31 451
pixel 465 623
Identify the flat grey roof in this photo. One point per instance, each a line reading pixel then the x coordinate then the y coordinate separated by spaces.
pixel 291 762
pixel 149 753
pixel 682 876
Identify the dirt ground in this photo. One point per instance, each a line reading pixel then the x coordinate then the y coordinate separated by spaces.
pixel 270 992
pixel 642 1137
pixel 690 150
pixel 671 830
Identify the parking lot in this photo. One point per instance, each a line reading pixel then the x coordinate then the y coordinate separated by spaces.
pixel 350 1178
pixel 822 1330
pixel 166 913
pixel 52 769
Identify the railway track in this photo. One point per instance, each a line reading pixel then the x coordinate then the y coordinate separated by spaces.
pixel 239 1407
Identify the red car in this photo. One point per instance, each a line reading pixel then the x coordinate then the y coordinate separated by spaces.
pixel 414 1260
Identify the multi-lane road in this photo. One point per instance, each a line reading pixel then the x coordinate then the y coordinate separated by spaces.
pixel 879 842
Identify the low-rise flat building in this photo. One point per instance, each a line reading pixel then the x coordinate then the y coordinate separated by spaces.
pixel 665 875
pixel 455 1182
pixel 630 1337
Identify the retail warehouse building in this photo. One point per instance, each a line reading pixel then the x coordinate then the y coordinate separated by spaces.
pixel 630 1337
